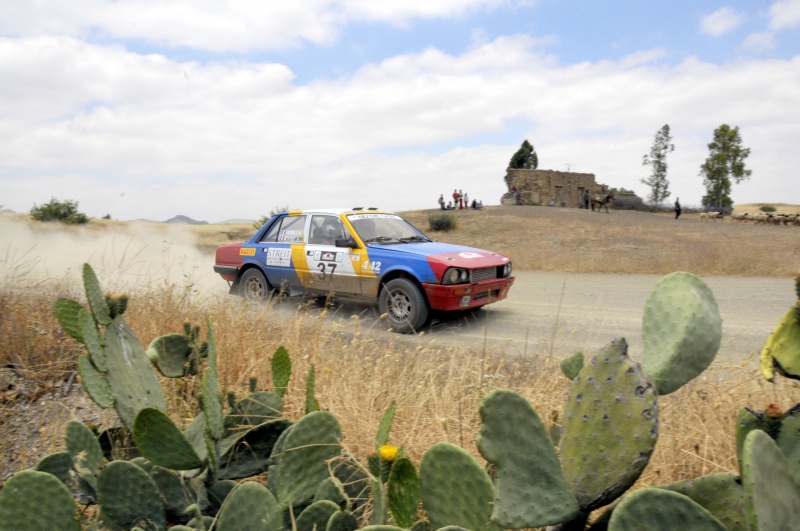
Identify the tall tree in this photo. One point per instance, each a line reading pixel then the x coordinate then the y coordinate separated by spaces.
pixel 657 160
pixel 525 157
pixel 725 160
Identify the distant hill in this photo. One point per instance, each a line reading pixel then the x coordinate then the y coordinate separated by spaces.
pixel 185 220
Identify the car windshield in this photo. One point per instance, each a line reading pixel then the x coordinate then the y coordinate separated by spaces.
pixel 385 228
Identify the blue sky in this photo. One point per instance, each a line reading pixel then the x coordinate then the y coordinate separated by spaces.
pixel 227 109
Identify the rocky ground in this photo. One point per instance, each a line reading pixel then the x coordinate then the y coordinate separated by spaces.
pixel 33 417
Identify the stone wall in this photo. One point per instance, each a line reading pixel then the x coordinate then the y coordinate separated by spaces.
pixel 551 187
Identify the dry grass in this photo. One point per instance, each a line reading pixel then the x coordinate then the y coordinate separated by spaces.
pixel 437 389
pixel 566 239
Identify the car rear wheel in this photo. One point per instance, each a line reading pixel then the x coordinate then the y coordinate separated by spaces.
pixel 404 305
pixel 253 285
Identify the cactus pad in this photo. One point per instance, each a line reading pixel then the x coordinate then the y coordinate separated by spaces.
pixel 281 370
pixel 95 383
pixel 772 495
pixel 94 295
pixel 303 459
pixel 37 500
pixel 782 351
pixel 657 509
pixel 250 507
pixel 66 311
pixel 316 515
pixel 130 375
pixel 170 353
pixel 610 427
pixel 721 494
pixel 402 491
pixel 531 490
pixel 456 490
pixel 162 443
pixel 572 365
pixel 128 497
pixel 682 330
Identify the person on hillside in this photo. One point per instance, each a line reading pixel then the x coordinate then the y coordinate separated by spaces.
pixel 677 207
pixel 441 201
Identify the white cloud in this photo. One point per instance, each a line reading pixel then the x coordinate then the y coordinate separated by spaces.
pixel 761 41
pixel 144 136
pixel 784 14
pixel 721 21
pixel 230 25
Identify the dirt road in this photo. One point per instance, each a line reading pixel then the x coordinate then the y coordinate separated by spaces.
pixel 561 313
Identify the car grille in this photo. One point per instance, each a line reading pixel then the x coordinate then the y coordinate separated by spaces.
pixel 486 273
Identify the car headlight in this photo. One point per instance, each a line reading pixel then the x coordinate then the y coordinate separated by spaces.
pixel 455 276
pixel 507 270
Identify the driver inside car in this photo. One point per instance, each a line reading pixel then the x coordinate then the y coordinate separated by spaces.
pixel 332 230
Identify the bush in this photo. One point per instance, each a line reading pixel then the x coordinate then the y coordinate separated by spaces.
pixel 63 211
pixel 441 222
pixel 767 208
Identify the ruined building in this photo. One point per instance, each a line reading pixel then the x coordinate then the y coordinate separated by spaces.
pixel 550 187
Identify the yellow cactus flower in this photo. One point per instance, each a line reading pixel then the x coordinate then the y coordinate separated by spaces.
pixel 388 452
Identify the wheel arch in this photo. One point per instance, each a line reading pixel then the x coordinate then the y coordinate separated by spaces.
pixel 401 273
pixel 246 267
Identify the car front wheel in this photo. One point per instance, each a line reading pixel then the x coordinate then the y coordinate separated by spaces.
pixel 253 285
pixel 404 305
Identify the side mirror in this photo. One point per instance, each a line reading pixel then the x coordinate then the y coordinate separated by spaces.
pixel 350 243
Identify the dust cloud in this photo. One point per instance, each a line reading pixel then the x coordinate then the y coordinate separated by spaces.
pixel 127 258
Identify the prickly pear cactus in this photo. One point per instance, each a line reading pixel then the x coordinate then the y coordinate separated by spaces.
pixel 250 507
pixel 316 515
pixel 721 494
pixel 789 440
pixel 302 459
pixel 658 509
pixel 162 443
pixel 281 370
pixel 572 365
pixel 170 354
pixel 530 488
pixel 682 331
pixel 128 496
pixel 456 490
pixel 403 492
pixel 781 354
pixel 37 500
pixel 610 427
pixel 130 376
pixel 772 495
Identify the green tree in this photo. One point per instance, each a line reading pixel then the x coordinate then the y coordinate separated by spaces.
pixel 657 160
pixel 525 158
pixel 63 211
pixel 725 160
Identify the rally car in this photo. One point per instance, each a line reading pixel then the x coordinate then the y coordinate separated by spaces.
pixel 366 253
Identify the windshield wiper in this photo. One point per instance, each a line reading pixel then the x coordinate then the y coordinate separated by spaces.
pixel 415 239
pixel 381 239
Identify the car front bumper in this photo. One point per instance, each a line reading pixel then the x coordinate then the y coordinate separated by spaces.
pixel 466 296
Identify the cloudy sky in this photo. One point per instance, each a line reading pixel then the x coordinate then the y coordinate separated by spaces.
pixel 221 109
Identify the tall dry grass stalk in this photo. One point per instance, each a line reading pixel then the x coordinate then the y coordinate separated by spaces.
pixel 437 389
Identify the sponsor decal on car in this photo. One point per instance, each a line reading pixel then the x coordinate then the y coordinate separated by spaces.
pixel 279 257
pixel 247 251
pixel 327 256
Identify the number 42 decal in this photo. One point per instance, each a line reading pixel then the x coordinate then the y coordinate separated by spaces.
pixel 372 266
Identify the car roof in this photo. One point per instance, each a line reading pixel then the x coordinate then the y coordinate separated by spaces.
pixel 338 211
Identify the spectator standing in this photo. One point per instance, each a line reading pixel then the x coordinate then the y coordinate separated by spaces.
pixel 677 207
pixel 441 201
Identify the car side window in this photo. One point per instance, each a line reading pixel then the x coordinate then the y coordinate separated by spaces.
pixel 286 230
pixel 326 229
